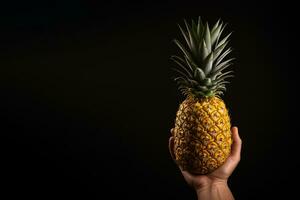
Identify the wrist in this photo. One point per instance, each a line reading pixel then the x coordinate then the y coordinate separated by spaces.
pixel 216 190
pixel 211 184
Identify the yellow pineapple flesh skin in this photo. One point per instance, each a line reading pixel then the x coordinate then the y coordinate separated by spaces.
pixel 202 136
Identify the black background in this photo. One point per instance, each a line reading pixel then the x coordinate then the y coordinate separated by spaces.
pixel 87 97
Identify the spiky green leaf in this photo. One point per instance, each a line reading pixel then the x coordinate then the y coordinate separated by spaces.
pixel 186 71
pixel 204 50
pixel 191 65
pixel 181 73
pixel 219 50
pixel 190 34
pixel 186 37
pixel 181 47
pixel 222 56
pixel 220 33
pixel 208 63
pixel 199 74
pixel 222 64
pixel 207 38
pixel 225 75
pixel 216 25
pixel 215 32
pixel 224 40
pixel 199 27
pixel 208 82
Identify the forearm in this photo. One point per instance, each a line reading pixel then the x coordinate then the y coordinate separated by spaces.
pixel 216 191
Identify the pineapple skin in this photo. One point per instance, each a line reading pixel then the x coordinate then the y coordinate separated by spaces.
pixel 202 136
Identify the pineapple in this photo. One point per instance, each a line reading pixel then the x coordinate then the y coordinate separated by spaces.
pixel 202 136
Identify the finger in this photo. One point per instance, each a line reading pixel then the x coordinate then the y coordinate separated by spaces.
pixel 186 174
pixel 236 144
pixel 171 148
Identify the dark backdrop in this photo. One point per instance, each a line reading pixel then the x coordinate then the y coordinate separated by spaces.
pixel 87 97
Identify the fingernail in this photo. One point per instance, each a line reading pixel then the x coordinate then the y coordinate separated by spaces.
pixel 172 131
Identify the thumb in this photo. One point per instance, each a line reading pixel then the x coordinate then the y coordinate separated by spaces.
pixel 171 148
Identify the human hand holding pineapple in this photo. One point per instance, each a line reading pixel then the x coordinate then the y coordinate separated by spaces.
pixel 213 185
pixel 201 142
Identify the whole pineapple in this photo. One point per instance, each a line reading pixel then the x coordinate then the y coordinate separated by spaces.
pixel 202 136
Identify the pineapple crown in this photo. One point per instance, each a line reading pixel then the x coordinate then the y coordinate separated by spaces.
pixel 202 63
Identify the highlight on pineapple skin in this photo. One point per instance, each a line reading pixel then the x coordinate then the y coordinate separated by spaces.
pixel 202 136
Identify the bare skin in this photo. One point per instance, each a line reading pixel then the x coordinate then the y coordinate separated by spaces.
pixel 214 186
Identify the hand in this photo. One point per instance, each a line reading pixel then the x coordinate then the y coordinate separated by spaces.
pixel 220 175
